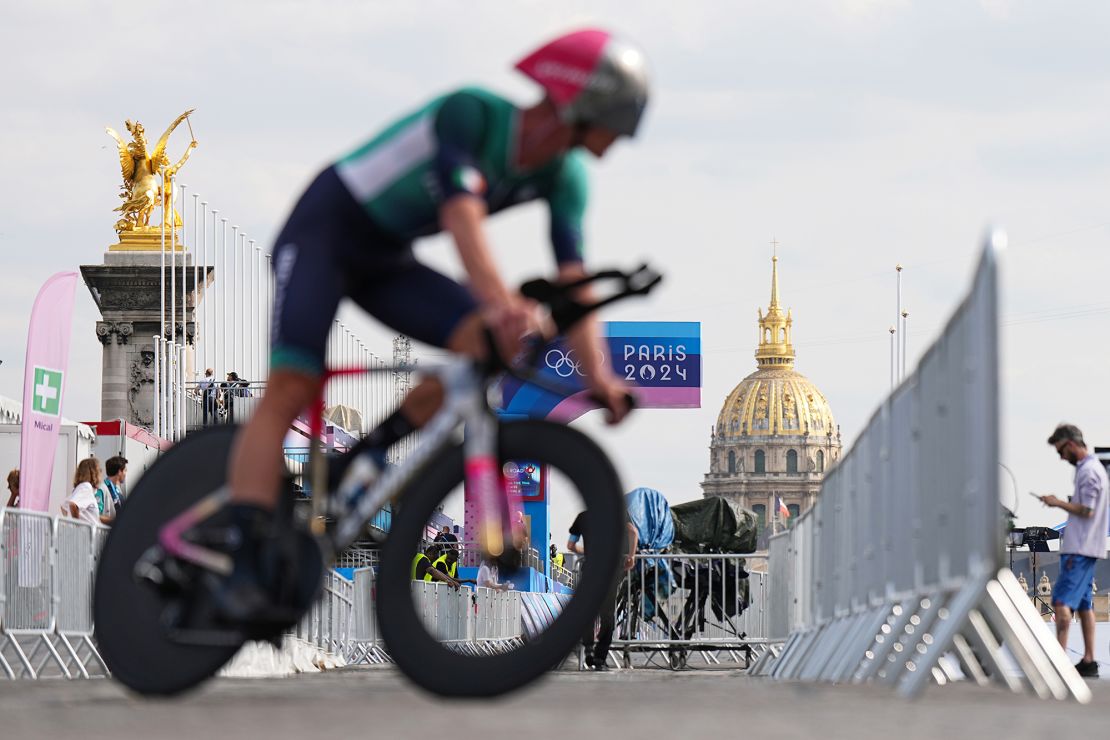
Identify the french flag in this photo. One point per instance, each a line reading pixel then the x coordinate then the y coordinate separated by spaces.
pixel 783 511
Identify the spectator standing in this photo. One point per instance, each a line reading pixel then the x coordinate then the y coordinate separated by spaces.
pixel 109 495
pixel 234 387
pixel 446 540
pixel 1083 544
pixel 81 503
pixel 209 394
pixel 13 488
pixel 597 653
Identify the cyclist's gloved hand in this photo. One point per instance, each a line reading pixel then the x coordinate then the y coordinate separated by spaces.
pixel 510 319
pixel 613 396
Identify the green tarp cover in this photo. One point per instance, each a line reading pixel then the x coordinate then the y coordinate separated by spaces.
pixel 713 525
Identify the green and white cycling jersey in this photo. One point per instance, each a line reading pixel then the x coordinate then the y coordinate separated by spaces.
pixel 462 142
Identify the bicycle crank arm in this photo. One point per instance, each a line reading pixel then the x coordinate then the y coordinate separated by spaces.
pixel 170 537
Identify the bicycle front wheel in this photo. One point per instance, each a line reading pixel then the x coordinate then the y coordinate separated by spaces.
pixel 479 642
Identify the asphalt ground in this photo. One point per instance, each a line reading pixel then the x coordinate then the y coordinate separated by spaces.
pixel 378 702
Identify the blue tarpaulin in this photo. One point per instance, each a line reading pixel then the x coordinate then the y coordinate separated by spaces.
pixel 650 512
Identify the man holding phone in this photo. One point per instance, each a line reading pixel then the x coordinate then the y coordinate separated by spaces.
pixel 1084 541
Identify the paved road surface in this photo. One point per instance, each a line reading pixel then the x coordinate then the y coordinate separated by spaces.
pixel 650 704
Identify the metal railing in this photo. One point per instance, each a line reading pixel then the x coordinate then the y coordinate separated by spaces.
pixel 358 556
pixel 221 402
pixel 676 605
pixel 471 554
pixel 563 575
pixel 900 560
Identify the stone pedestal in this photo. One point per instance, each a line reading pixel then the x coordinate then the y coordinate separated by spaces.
pixel 126 290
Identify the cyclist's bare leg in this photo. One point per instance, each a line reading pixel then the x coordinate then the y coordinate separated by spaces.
pixel 256 462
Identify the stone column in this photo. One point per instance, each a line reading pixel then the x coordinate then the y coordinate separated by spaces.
pixel 126 290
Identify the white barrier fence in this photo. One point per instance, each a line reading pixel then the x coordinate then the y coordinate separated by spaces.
pixel 49 563
pixel 47 570
pixel 900 562
pixel 46 596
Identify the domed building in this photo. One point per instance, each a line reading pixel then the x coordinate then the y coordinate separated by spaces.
pixel 775 435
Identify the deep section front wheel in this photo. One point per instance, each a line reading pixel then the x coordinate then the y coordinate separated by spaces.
pixel 435 642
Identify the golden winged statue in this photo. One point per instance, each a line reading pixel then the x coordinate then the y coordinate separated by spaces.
pixel 142 187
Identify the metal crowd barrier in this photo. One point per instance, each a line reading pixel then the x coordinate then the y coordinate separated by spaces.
pixel 563 575
pixel 477 620
pixel 900 562
pixel 673 606
pixel 366 645
pixel 329 622
pixel 47 566
pixel 358 557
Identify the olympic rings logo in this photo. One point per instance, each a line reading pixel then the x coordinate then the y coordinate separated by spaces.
pixel 562 363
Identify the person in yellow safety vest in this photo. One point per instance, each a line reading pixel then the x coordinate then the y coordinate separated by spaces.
pixel 447 563
pixel 424 569
pixel 557 558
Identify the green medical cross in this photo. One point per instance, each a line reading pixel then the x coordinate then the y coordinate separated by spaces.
pixel 46 395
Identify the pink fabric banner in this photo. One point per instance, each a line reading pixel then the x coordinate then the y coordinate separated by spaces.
pixel 43 387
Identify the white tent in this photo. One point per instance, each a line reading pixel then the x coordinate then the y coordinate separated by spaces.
pixel 75 442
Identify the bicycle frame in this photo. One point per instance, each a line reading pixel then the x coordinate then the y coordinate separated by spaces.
pixel 465 386
pixel 464 404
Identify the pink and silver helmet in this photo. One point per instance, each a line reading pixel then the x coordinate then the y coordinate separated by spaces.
pixel 593 78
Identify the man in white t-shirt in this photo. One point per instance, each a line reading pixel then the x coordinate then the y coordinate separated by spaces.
pixel 1083 544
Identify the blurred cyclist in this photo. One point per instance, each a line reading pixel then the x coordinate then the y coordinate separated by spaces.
pixel 445 167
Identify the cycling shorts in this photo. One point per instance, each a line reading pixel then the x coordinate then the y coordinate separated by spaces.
pixel 330 248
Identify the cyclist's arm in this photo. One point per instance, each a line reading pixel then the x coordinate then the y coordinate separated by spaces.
pixel 567 201
pixel 585 339
pixel 462 217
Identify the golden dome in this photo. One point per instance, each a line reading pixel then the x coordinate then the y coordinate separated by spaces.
pixel 775 399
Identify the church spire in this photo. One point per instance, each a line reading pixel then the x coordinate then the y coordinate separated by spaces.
pixel 775 349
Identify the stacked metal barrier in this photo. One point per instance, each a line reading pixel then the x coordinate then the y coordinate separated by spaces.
pixel 900 560
pixel 46 575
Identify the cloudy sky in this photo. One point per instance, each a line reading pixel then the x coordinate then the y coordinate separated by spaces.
pixel 859 133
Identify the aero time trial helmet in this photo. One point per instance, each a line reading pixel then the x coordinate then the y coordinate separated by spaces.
pixel 592 78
